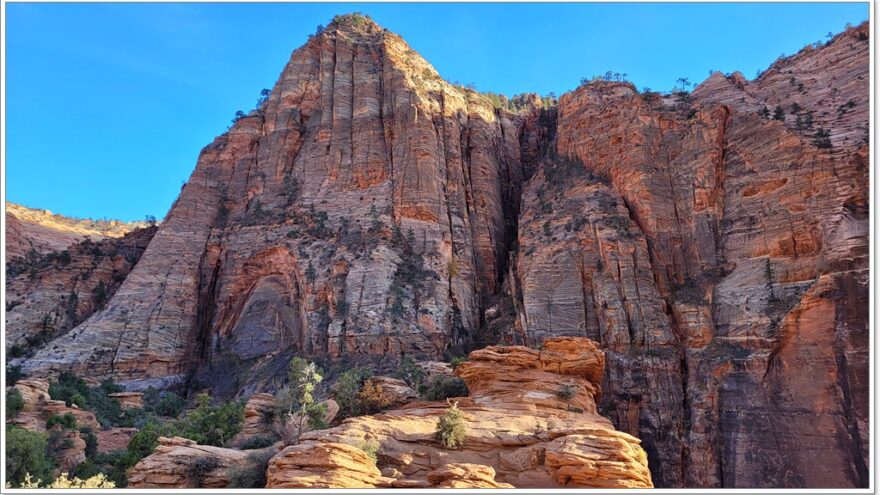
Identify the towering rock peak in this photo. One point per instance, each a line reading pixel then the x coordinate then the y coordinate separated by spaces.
pixel 369 211
pixel 366 209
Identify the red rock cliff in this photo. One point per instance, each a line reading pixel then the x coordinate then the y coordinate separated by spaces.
pixel 718 256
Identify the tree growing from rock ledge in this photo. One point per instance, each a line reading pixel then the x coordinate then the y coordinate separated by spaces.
pixel 450 428
pixel 296 403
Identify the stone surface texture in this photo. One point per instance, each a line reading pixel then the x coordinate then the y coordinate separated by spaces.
pixel 369 211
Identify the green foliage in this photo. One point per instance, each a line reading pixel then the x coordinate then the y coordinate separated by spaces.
pixel 210 424
pixel 456 361
pixel 346 390
pixel 258 442
pixel 67 421
pixel 445 387
pixel 167 404
pixel 99 294
pixel 822 139
pixel 142 444
pixel 296 399
pixel 26 454
pixel 410 372
pixel 371 448
pixel 356 19
pixel 450 428
pixel 14 403
pixel 253 473
pixel 67 386
pixel 91 440
pixel 779 113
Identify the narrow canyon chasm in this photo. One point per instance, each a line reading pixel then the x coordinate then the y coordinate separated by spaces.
pixel 368 211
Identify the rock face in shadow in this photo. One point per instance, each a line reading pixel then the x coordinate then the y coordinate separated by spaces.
pixel 368 210
pixel 519 432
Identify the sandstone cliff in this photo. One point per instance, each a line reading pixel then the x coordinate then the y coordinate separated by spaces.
pixel 370 210
pixel 42 231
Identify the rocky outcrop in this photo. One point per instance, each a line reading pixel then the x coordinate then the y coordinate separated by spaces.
pixel 258 412
pixel 323 465
pixel 34 392
pixel 464 475
pixel 519 432
pixel 40 231
pixel 49 295
pixel 129 400
pixel 180 463
pixel 693 238
pixel 114 438
pixel 396 391
pixel 360 211
pixel 368 210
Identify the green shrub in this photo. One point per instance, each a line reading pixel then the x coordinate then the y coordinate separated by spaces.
pixel 167 404
pixel 91 440
pixel 410 372
pixel 13 374
pixel 142 444
pixel 371 448
pixel 67 386
pixel 26 454
pixel 456 361
pixel 450 428
pixel 347 388
pixel 67 421
pixel 258 442
pixel 445 387
pixel 14 403
pixel 211 424
pixel 253 473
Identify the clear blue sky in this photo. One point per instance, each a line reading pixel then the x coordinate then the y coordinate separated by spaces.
pixel 108 105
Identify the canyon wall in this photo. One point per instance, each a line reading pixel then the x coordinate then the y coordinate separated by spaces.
pixel 368 210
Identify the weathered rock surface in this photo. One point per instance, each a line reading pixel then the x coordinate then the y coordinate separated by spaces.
pixel 292 235
pixel 41 231
pixel 718 257
pixel 396 390
pixel 49 295
pixel 114 438
pixel 524 437
pixel 129 400
pixel 181 463
pixel 699 249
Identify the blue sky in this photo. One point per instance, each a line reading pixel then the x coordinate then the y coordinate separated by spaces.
pixel 108 105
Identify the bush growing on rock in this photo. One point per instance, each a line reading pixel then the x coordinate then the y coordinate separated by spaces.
pixel 347 388
pixel 210 424
pixel 258 442
pixel 446 387
pixel 167 404
pixel 295 404
pixel 566 392
pixel 26 457
pixel 14 403
pixel 67 421
pixel 372 399
pixel 450 428
pixel 253 473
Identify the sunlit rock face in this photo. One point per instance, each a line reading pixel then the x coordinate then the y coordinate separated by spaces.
pixel 368 210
